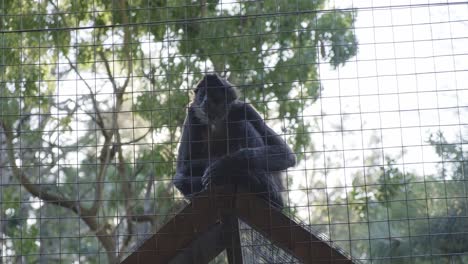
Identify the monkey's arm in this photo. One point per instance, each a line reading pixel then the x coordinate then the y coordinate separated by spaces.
pixel 188 171
pixel 275 155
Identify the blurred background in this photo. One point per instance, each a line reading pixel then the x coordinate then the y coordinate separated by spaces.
pixel 371 95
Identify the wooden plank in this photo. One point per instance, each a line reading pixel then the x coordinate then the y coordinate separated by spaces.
pixel 232 240
pixel 204 248
pixel 177 234
pixel 286 233
pixel 211 208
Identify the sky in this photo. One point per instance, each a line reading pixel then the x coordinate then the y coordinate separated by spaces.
pixel 409 80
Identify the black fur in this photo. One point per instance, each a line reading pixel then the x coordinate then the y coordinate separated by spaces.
pixel 225 141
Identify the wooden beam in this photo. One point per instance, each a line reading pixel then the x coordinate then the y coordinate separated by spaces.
pixel 209 209
pixel 232 240
pixel 286 233
pixel 177 234
pixel 204 248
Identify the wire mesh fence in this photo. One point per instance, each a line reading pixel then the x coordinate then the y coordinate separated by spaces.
pixel 371 96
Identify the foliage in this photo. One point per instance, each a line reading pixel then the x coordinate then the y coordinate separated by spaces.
pixel 407 215
pixel 92 96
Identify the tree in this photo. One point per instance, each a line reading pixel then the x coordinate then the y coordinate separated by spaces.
pixel 92 98
pixel 413 217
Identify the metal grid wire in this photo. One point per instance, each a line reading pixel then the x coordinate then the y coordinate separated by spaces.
pixel 371 95
pixel 257 249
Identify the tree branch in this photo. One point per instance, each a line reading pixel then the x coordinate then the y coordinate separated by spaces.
pixel 138 139
pixel 99 120
pixel 126 44
pixel 127 193
pixel 32 188
pixel 108 69
pixel 104 159
pixel 58 200
pixel 143 218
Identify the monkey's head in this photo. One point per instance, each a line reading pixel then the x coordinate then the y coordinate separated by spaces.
pixel 213 98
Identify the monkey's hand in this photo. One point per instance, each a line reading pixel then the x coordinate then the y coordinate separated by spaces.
pixel 212 174
pixel 222 171
pixel 231 169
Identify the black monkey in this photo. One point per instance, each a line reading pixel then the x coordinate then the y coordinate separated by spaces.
pixel 225 141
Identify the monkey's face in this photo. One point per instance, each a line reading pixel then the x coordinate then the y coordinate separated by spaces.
pixel 213 98
pixel 213 102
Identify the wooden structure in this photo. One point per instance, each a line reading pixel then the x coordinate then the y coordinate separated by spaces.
pixel 209 225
